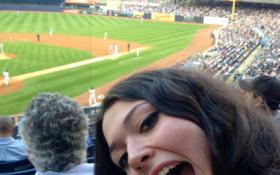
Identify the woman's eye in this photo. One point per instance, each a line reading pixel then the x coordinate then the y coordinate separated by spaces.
pixel 123 161
pixel 149 122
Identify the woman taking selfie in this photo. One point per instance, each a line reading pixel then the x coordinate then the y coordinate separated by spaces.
pixel 176 122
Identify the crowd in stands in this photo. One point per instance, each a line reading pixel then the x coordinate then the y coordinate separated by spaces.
pixel 263 66
pixel 234 42
pixel 253 27
pixel 185 10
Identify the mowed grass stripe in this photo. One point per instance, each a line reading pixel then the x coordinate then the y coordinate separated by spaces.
pixel 103 22
pixel 14 24
pixel 33 57
pixel 51 22
pixel 6 20
pixel 79 22
pixel 70 22
pixel 161 36
pixel 41 26
pixel 58 24
pixel 155 33
pixel 28 22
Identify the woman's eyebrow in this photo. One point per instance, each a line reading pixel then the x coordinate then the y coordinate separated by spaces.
pixel 127 118
pixel 129 115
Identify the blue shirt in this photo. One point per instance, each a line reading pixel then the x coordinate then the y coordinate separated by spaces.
pixel 82 169
pixel 12 150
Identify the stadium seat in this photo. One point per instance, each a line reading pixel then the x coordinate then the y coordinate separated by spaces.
pixel 91 160
pixel 9 167
pixel 24 172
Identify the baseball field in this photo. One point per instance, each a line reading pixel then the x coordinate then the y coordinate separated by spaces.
pixel 74 56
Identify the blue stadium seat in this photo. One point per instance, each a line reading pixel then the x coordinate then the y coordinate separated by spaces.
pixel 21 165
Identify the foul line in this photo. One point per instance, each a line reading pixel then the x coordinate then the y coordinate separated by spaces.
pixel 71 65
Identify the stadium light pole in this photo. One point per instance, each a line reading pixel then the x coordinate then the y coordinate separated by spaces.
pixel 233 10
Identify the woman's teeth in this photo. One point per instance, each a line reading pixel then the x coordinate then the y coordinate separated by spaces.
pixel 165 170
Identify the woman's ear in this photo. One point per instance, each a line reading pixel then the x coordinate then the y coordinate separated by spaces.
pixel 259 102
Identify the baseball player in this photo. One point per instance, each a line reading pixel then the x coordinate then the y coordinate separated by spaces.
pixel 6 77
pixel 92 96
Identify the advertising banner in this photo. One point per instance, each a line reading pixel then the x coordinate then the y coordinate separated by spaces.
pixel 72 11
pixel 163 17
pixel 138 14
pixel 215 20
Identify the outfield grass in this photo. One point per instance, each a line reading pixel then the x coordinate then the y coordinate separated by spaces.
pixel 163 39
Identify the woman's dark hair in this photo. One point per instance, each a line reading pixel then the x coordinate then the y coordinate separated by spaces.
pixel 240 142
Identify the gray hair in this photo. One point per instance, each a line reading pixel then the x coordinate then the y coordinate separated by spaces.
pixel 55 130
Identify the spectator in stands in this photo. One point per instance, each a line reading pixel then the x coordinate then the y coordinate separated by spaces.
pixel 10 149
pixel 264 92
pixel 55 130
pixel 182 122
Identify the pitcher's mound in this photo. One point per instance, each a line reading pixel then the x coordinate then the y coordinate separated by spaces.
pixel 13 86
pixel 7 56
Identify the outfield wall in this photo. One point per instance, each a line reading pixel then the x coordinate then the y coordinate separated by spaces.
pixel 31 7
pixel 46 2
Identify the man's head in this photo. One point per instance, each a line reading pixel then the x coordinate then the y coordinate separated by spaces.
pixel 264 91
pixel 6 126
pixel 54 129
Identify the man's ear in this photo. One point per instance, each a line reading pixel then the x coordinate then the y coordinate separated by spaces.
pixel 29 155
pixel 259 102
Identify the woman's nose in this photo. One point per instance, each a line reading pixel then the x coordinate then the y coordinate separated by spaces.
pixel 139 156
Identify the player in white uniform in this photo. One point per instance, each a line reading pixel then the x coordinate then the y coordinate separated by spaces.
pixel 116 50
pixel 105 35
pixel 6 78
pixel 138 51
pixel 92 96
pixel 50 31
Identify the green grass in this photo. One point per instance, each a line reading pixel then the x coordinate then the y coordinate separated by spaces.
pixel 162 38
pixel 32 57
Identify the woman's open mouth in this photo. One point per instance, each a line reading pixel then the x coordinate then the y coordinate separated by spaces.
pixel 183 168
